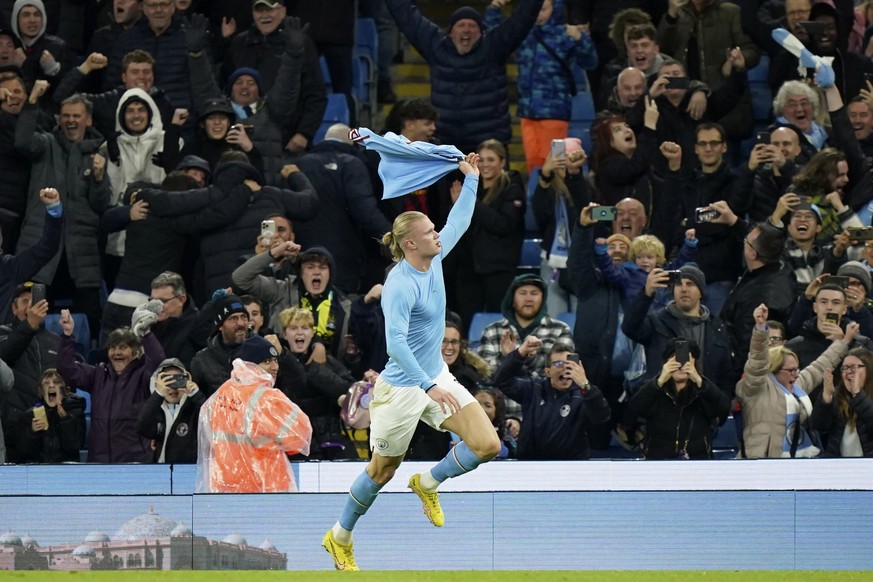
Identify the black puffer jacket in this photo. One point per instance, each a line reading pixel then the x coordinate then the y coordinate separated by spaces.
pixel 65 165
pixel 14 175
pixel 678 421
pixel 469 91
pixel 171 59
pixel 180 445
pixel 827 419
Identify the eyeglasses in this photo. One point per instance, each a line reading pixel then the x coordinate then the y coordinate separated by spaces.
pixel 158 5
pixel 164 301
pixel 709 144
pixel 775 339
pixel 790 370
pixel 453 343
pixel 852 367
pixel 558 364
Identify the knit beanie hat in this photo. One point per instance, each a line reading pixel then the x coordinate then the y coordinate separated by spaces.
pixel 695 275
pixel 253 73
pixel 620 238
pixel 224 305
pixel 857 270
pixel 256 349
pixel 466 13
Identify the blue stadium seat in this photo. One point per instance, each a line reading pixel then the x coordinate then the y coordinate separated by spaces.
pixel 367 40
pixel 82 331
pixel 481 320
pixel 530 255
pixel 762 102
pixel 581 78
pixel 568 317
pixel 337 111
pixel 325 73
pixel 530 223
pixel 761 72
pixel 583 108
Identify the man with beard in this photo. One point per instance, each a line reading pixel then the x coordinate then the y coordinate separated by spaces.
pixel 524 314
pixel 211 366
pixel 685 316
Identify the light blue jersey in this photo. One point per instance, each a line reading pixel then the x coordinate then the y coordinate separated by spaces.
pixel 414 304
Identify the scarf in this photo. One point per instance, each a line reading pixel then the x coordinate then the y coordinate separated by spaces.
pixel 324 319
pixel 816 135
pixel 561 243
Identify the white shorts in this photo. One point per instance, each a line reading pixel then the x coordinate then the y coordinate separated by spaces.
pixel 396 410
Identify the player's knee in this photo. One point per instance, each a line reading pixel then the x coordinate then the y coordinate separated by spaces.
pixel 384 474
pixel 488 448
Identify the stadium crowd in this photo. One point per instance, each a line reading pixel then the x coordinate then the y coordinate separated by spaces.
pixel 160 181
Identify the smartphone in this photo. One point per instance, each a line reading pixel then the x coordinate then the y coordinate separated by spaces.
pixel 807 200
pixel 833 318
pixel 268 229
pixel 868 77
pixel 38 293
pixel 559 149
pixel 573 358
pixel 678 82
pixel 177 381
pixel 675 277
pixel 836 280
pixel 682 353
pixel 855 233
pixel 763 137
pixel 813 28
pixel 706 214
pixel 603 213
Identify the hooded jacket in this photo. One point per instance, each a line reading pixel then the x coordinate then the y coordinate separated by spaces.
pixel 543 327
pixel 31 68
pixel 175 435
pixel 287 292
pixel 138 156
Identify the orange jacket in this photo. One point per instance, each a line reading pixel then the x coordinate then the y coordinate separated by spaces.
pixel 250 429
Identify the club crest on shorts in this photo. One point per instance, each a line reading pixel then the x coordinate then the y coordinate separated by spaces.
pixel 381 444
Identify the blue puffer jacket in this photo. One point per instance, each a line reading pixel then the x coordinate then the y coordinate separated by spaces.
pixel 469 91
pixel 543 88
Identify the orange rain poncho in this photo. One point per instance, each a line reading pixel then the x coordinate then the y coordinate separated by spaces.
pixel 246 430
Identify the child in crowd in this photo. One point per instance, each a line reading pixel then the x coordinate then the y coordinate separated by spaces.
pixel 646 253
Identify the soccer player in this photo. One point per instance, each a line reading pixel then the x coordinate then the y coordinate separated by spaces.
pixel 416 383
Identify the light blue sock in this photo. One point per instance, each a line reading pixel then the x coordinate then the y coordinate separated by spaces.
pixel 362 494
pixel 460 460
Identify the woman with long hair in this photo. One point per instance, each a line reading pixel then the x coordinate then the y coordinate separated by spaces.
pixel 774 393
pixel 623 160
pixel 561 193
pixel 680 407
pixel 484 262
pixel 844 412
